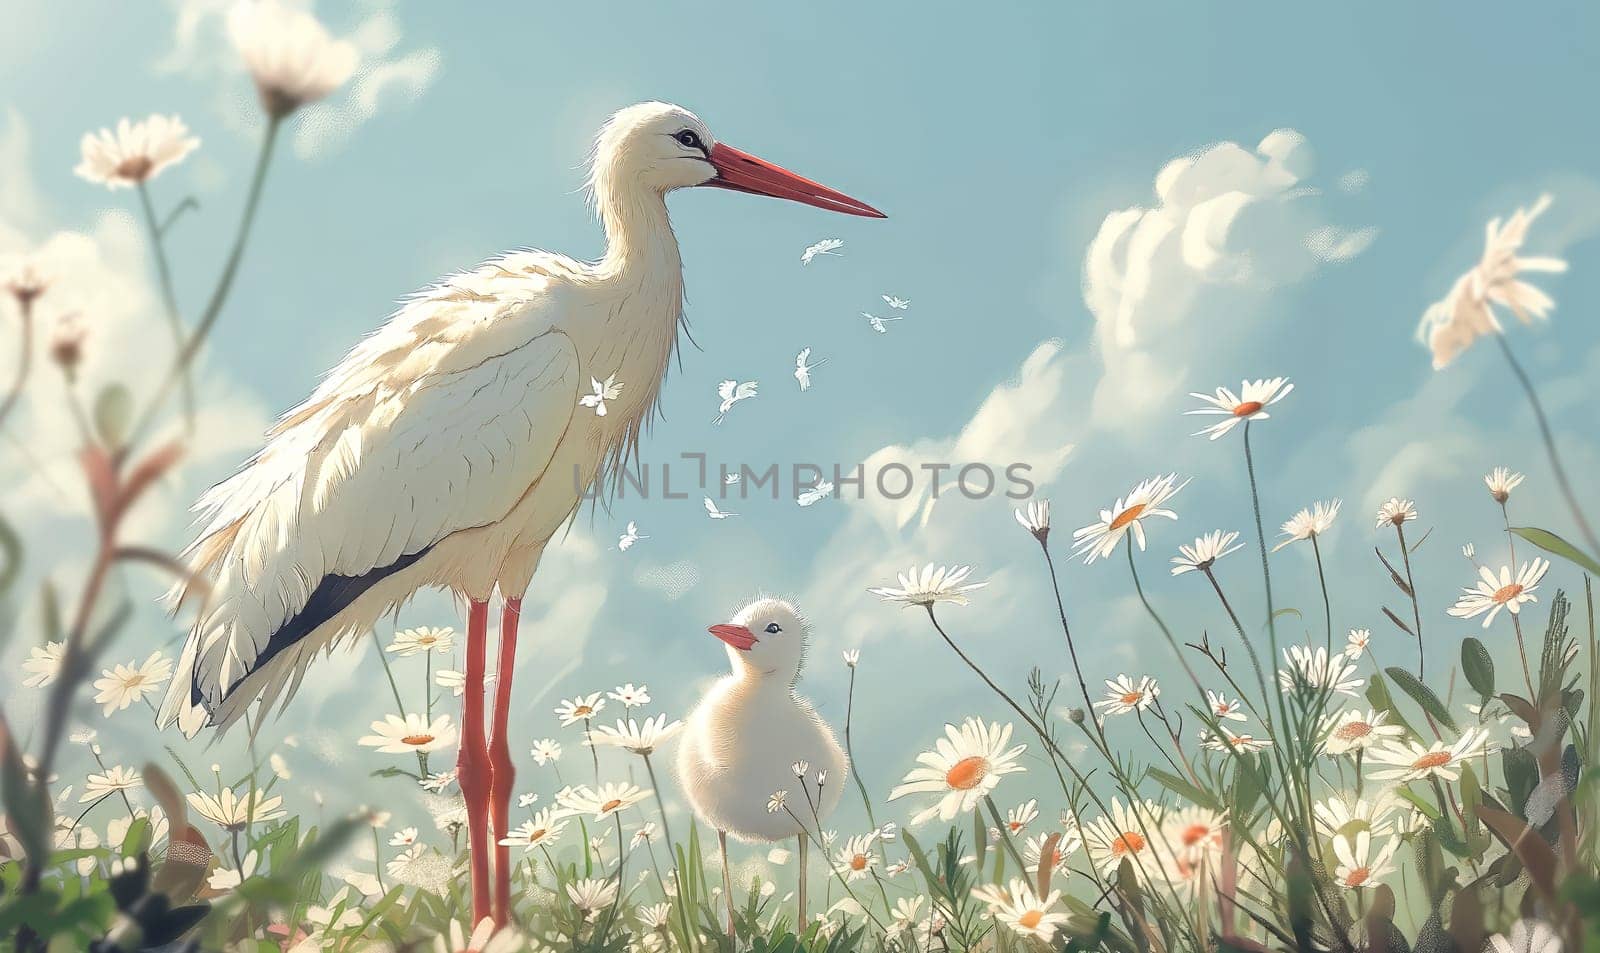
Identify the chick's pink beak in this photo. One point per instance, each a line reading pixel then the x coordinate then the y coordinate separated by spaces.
pixel 742 172
pixel 735 635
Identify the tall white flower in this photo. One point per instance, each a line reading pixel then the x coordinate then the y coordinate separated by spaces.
pixel 1205 551
pixel 135 152
pixel 1360 865
pixel 929 585
pixel 234 811
pixel 1250 403
pixel 1022 910
pixel 1035 518
pixel 117 778
pixel 122 685
pixel 1310 522
pixel 638 738
pixel 1126 515
pixel 1409 761
pixel 397 734
pixel 963 768
pixel 43 664
pixel 1396 511
pixel 1493 593
pixel 1466 313
pixel 1501 481
pixel 604 801
pixel 289 54
pixel 1315 670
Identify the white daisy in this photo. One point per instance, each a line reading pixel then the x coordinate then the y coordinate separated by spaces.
pixel 1124 695
pixel 408 642
pixel 117 778
pixel 1221 707
pixel 1313 521
pixel 1466 313
pixel 1356 643
pixel 1232 740
pixel 1396 511
pixel 404 837
pixel 1501 481
pixel 289 54
pixel 1035 518
pixel 1126 515
pixel 591 894
pixel 1492 594
pixel 122 685
pixel 1066 845
pixel 1346 816
pixel 135 153
pixel 582 708
pixel 1313 669
pixel 1205 551
pixel 964 767
pixel 852 657
pixel 855 859
pixel 1359 864
pixel 1021 816
pixel 1122 834
pixel 604 801
pixel 235 811
pixel 1249 404
pixel 1411 761
pixel 1194 832
pixel 397 734
pixel 43 664
pixel 1351 731
pixel 1018 907
pixel 637 738
pixel 456 681
pixel 629 696
pixel 546 751
pixel 927 586
pixel 545 829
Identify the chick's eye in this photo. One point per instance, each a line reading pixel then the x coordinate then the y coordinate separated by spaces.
pixel 774 628
pixel 688 138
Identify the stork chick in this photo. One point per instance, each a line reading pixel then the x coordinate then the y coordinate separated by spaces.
pixel 744 741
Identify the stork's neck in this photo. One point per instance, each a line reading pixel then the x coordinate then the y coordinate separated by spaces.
pixel 640 245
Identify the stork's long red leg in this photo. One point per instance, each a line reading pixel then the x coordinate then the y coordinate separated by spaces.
pixel 504 776
pixel 473 764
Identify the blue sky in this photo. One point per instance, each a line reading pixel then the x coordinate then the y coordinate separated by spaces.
pixel 998 142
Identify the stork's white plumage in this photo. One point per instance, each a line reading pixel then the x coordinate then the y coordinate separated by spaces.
pixel 447 449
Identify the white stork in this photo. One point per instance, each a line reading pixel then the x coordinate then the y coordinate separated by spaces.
pixel 447 448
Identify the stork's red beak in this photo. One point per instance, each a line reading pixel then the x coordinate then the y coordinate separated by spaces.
pixel 735 635
pixel 743 172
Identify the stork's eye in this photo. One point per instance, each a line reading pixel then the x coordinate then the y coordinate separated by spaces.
pixel 773 628
pixel 688 139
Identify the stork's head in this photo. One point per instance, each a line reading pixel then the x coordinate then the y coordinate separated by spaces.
pixel 660 147
pixel 767 638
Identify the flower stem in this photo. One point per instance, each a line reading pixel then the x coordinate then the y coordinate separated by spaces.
pixel 1416 606
pixel 1322 580
pixel 169 298
pixel 1549 445
pixel 849 751
pixel 185 358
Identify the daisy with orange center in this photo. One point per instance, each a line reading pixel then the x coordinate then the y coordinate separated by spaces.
pixel 602 802
pixel 1124 695
pixel 1124 833
pixel 1232 741
pixel 1249 404
pixel 1346 816
pixel 1127 515
pixel 1501 481
pixel 408 734
pixel 1021 816
pixel 1351 731
pixel 545 828
pixel 1505 591
pixel 1066 845
pixel 855 859
pixel 582 708
pixel 1018 907
pixel 1409 761
pixel 1360 863
pixel 963 768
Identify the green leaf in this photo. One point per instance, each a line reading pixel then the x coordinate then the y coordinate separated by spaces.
pixel 1422 695
pixel 1477 666
pixel 1378 696
pixel 113 413
pixel 1555 545
pixel 1471 797
pixel 1184 789
pixel 27 803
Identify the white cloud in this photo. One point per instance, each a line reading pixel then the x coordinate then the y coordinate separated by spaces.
pixel 1229 225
